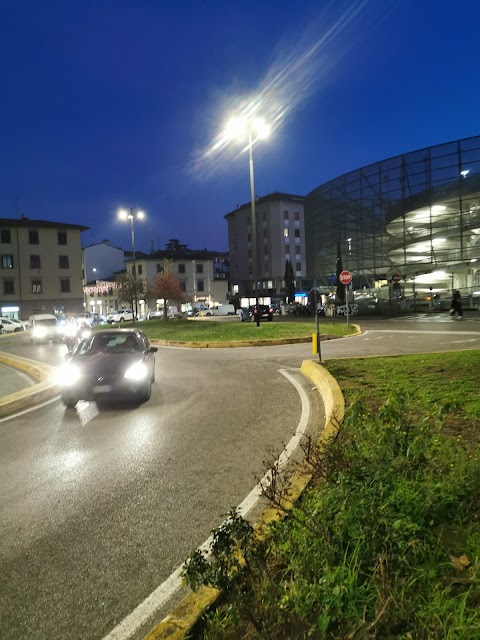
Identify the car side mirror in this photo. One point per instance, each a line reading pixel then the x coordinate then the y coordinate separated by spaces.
pixel 153 350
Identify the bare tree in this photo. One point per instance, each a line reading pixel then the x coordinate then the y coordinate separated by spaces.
pixel 130 288
pixel 166 285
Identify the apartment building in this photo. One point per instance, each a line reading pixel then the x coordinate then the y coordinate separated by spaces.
pixel 40 267
pixel 203 274
pixel 280 236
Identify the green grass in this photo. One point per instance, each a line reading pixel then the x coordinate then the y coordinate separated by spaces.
pixel 234 330
pixel 385 542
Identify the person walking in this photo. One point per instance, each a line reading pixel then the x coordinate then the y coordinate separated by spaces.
pixel 456 305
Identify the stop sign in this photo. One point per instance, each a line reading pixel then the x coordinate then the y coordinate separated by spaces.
pixel 345 277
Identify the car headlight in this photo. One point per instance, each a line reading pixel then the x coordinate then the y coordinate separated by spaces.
pixel 68 375
pixel 86 333
pixel 137 371
pixel 39 332
pixel 71 331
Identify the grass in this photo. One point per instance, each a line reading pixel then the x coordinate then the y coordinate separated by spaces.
pixel 385 542
pixel 234 330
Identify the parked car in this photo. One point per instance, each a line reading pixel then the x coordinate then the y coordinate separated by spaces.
pixel 224 310
pixel 121 315
pixel 44 327
pixel 257 312
pixel 11 325
pixel 158 313
pixel 113 364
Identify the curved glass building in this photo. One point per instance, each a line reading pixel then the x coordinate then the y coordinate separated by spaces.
pixel 408 228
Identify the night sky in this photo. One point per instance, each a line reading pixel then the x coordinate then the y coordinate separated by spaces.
pixel 113 103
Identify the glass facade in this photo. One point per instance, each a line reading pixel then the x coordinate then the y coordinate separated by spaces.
pixel 412 220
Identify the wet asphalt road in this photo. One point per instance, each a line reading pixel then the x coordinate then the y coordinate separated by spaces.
pixel 97 508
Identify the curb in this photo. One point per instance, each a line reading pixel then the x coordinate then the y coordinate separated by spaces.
pixel 177 624
pixel 43 390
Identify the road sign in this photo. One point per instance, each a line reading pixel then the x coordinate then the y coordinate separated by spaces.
pixel 396 277
pixel 332 278
pixel 345 277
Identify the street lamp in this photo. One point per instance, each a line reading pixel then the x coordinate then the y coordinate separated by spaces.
pixel 131 215
pixel 239 129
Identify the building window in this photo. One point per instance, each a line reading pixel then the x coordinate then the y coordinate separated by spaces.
pixel 200 269
pixel 287 248
pixel 249 237
pixel 298 266
pixel 200 285
pixel 62 237
pixel 183 286
pixel 181 268
pixel 33 237
pixel 8 287
pixel 36 286
pixel 297 233
pixel 140 269
pixel 297 215
pixel 65 285
pixel 159 268
pixel 63 262
pixel 264 216
pixel 7 262
pixel 285 215
pixel 5 236
pixel 285 233
pixel 298 250
pixel 35 262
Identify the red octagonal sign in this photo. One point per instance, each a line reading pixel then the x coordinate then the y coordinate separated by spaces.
pixel 345 277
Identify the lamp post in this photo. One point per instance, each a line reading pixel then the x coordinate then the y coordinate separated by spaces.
pixel 240 128
pixel 130 215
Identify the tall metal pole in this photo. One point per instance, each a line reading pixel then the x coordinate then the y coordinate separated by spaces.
pixel 317 324
pixel 254 222
pixel 132 228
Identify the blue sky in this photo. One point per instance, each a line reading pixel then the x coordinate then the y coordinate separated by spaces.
pixel 112 103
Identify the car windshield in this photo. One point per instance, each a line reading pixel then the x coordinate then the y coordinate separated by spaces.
pixel 48 322
pixel 110 343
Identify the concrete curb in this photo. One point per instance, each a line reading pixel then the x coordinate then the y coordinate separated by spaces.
pixel 43 390
pixel 180 621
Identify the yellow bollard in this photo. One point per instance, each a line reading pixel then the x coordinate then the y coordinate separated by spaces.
pixel 314 343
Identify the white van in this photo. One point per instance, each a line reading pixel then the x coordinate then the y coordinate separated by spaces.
pixel 44 327
pixel 224 310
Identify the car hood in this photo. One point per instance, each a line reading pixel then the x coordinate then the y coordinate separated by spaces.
pixel 106 364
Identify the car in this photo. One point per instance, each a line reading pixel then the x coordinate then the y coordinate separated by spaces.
pixel 257 312
pixel 84 319
pixel 43 327
pixel 152 314
pixel 11 325
pixel 111 364
pixel 121 315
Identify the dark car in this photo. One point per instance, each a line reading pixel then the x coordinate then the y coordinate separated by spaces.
pixel 117 364
pixel 257 312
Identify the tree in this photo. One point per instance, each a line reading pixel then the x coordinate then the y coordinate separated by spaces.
pixel 130 288
pixel 340 294
pixel 166 285
pixel 289 282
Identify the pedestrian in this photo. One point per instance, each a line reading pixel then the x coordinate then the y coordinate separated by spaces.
pixel 456 305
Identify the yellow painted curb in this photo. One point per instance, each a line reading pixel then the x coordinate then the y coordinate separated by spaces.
pixel 26 398
pixel 180 621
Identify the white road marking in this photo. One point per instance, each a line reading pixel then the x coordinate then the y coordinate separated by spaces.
pixel 162 594
pixel 446 333
pixel 29 410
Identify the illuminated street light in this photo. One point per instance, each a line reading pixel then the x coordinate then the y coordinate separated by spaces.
pixel 123 214
pixel 239 129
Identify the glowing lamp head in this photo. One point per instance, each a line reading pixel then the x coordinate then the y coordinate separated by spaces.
pixel 122 214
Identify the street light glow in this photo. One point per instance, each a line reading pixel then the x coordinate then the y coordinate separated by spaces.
pixel 122 214
pixel 140 215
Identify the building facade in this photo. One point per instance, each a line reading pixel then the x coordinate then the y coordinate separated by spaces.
pixel 408 228
pixel 203 274
pixel 40 267
pixel 280 236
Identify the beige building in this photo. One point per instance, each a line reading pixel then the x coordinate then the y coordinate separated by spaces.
pixel 203 274
pixel 280 236
pixel 40 267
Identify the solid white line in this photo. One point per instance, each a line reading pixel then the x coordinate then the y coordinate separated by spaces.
pixel 29 410
pixel 162 594
pixel 447 333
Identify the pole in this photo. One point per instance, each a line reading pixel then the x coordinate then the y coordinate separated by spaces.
pixel 317 325
pixel 134 266
pixel 346 302
pixel 254 221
